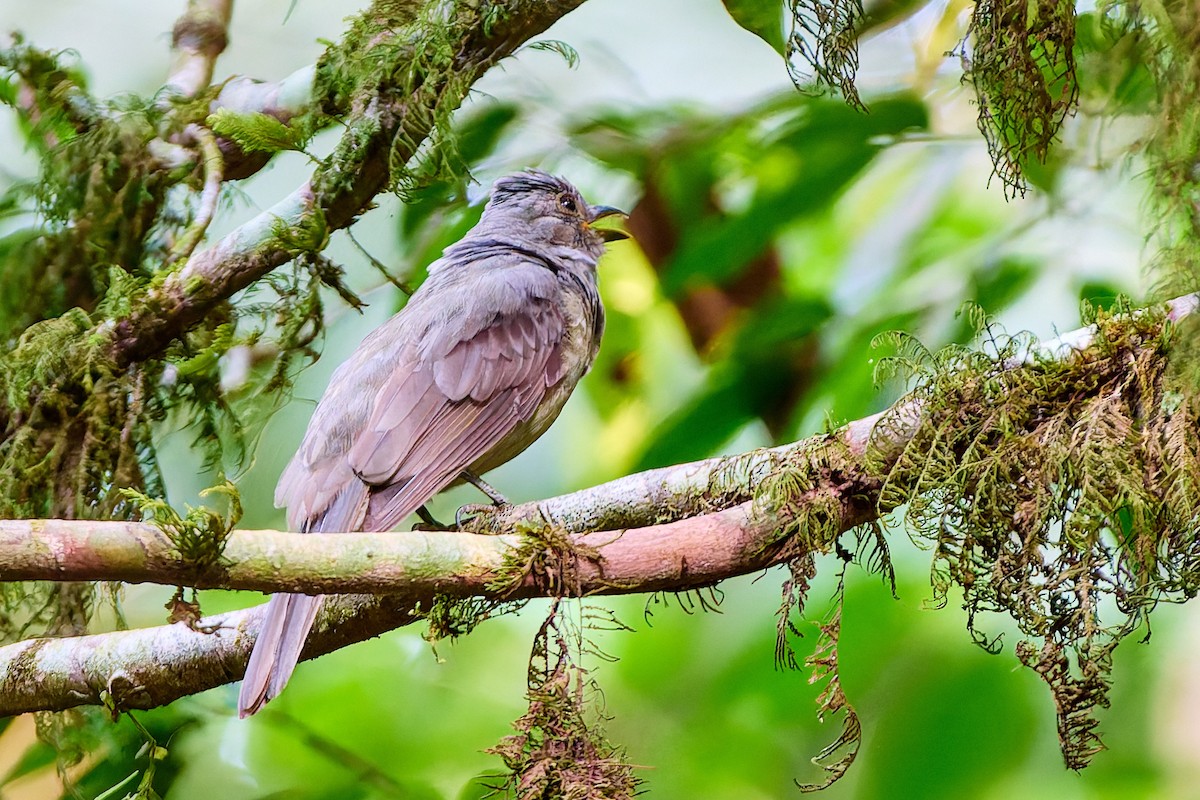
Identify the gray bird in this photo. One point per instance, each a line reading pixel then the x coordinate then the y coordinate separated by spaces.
pixel 476 366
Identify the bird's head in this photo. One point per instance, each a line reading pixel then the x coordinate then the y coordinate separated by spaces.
pixel 549 211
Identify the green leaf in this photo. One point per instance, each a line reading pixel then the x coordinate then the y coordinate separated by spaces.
pixel 568 53
pixel 763 18
pixel 35 757
pixel 256 132
pixel 821 153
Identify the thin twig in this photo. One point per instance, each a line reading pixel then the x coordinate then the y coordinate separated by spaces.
pixel 198 38
pixel 214 165
pixel 380 266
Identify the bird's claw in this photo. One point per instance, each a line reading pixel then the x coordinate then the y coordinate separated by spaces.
pixel 430 524
pixel 472 510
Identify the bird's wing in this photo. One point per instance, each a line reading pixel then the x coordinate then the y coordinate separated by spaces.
pixel 487 352
pixel 446 410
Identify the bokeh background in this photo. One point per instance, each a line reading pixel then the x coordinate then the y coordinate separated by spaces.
pixel 779 234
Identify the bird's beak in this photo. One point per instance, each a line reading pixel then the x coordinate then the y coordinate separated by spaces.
pixel 609 234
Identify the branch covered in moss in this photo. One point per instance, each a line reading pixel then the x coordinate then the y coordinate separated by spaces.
pixel 391 109
pixel 742 514
pixel 150 667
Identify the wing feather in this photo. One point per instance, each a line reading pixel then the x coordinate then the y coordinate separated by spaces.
pixel 430 392
pixel 485 385
pixel 445 457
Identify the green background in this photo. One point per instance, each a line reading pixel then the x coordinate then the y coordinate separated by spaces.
pixel 875 222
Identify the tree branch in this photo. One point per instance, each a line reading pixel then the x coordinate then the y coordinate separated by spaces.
pixel 283 100
pixel 198 38
pixel 385 128
pixel 150 667
pixel 723 535
pixel 214 172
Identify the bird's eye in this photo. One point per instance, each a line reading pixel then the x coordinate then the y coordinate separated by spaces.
pixel 568 203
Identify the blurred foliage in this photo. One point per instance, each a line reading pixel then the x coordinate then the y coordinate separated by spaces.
pixel 718 193
pixel 777 241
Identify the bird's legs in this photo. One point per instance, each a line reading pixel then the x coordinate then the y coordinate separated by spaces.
pixel 485 487
pixel 430 523
pixel 474 509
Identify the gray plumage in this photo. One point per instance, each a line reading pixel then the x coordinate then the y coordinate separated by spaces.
pixel 475 367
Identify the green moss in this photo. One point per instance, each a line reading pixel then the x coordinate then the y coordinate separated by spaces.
pixel 398 78
pixel 199 535
pixel 823 667
pixel 1059 492
pixel 804 489
pixel 1019 56
pixel 451 617
pixel 549 556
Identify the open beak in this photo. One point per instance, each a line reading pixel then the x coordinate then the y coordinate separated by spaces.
pixel 609 234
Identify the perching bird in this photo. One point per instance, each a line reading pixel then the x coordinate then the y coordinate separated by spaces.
pixel 472 370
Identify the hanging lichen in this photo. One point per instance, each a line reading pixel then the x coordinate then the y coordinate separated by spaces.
pixel 1170 42
pixel 559 751
pixel 823 36
pixel 1019 56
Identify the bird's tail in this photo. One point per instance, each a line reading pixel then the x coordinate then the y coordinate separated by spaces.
pixel 284 628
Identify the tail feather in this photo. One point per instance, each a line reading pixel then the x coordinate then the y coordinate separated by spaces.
pixel 290 617
pixel 284 628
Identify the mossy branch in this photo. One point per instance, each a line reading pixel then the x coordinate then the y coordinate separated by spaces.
pixel 150 667
pixel 720 527
pixel 413 87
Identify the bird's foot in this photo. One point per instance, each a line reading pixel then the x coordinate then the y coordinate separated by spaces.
pixel 472 511
pixel 429 522
pixel 473 516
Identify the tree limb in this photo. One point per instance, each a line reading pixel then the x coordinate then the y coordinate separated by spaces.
pixel 214 171
pixel 384 129
pixel 283 100
pixel 149 667
pixel 722 535
pixel 198 38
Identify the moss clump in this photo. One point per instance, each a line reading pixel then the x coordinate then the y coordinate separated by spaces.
pixel 548 555
pixel 395 77
pixel 451 617
pixel 814 493
pixel 1062 493
pixel 199 535
pixel 1019 56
